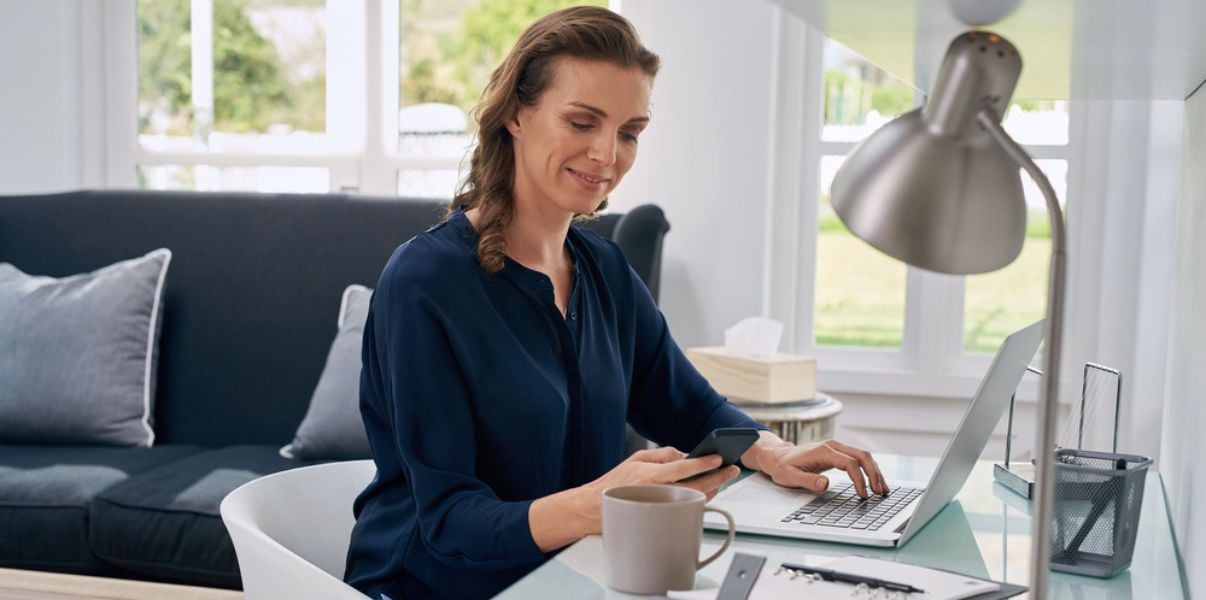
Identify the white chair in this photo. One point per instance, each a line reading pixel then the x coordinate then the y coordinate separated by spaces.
pixel 291 530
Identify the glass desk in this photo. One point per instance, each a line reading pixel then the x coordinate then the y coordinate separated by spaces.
pixel 984 532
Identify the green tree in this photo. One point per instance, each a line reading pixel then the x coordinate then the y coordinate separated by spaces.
pixel 164 61
pixel 454 67
pixel 251 89
pixel 892 99
pixel 849 98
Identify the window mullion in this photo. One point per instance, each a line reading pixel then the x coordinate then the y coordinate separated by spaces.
pixel 934 324
pixel 374 165
pixel 202 36
pixel 345 78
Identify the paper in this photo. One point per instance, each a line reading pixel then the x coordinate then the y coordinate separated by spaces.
pixel 755 335
pixel 937 585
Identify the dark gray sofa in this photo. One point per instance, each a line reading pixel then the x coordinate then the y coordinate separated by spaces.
pixel 249 315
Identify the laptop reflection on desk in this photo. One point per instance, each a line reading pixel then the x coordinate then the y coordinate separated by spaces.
pixel 760 506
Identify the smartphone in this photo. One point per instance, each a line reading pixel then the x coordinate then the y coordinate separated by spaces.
pixel 729 442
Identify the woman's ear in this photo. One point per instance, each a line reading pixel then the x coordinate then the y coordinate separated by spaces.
pixel 513 126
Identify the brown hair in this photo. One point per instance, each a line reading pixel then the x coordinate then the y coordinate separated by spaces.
pixel 585 32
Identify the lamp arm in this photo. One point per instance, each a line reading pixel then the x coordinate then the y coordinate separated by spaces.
pixel 1040 552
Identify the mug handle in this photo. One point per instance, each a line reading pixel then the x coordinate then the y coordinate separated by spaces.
pixel 728 540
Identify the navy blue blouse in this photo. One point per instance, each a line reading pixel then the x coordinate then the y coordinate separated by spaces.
pixel 478 397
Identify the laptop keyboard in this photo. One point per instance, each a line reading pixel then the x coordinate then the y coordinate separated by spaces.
pixel 841 507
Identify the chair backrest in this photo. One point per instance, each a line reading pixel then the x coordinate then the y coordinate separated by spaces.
pixel 291 530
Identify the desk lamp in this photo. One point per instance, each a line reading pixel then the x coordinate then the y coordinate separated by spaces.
pixel 939 188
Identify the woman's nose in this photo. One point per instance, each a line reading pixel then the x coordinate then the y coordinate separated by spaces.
pixel 602 150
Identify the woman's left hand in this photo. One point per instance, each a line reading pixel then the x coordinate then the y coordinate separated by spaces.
pixel 800 466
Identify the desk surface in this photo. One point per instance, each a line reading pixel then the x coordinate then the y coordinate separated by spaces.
pixel 985 532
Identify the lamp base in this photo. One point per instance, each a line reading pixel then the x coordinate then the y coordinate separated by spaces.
pixel 1019 478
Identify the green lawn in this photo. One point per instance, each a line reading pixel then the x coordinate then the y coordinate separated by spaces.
pixel 860 293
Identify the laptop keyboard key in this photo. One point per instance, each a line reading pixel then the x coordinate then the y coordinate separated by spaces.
pixel 840 507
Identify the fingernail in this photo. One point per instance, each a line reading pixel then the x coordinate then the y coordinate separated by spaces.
pixel 823 482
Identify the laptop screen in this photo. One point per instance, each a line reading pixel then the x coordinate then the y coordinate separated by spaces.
pixel 980 418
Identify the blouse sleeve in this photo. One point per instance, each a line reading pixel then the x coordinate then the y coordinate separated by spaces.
pixel 426 400
pixel 670 402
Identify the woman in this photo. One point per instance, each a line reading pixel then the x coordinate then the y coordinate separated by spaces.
pixel 505 349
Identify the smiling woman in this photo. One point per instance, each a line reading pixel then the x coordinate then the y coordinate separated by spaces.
pixel 506 349
pixel 552 122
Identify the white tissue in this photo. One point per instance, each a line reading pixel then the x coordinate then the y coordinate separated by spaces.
pixel 754 335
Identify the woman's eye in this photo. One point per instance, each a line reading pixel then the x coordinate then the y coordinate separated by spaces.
pixel 628 137
pixel 580 126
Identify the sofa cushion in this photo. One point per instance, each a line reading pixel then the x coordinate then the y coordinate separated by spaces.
pixel 78 355
pixel 165 524
pixel 44 496
pixel 333 428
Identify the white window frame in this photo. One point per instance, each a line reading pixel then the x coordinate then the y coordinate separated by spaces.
pixel 363 162
pixel 931 361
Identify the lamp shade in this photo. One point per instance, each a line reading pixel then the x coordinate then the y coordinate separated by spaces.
pixel 932 188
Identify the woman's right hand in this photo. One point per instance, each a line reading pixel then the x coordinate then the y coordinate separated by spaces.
pixel 565 517
pixel 665 466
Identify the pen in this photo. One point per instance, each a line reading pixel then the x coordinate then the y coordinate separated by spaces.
pixel 831 575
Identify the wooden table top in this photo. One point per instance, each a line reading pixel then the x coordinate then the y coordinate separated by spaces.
pixel 18 584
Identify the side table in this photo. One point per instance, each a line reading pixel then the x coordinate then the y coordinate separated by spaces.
pixel 803 422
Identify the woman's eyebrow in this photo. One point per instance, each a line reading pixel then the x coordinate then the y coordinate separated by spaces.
pixel 602 113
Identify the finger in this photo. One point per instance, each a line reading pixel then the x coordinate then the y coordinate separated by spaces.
pixel 799 478
pixel 664 454
pixel 850 465
pixel 878 484
pixel 710 483
pixel 688 467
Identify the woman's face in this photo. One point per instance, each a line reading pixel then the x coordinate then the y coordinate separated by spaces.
pixel 576 144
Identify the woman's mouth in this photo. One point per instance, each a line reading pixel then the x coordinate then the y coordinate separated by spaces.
pixel 587 181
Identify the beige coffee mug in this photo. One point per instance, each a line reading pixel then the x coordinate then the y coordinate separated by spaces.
pixel 652 535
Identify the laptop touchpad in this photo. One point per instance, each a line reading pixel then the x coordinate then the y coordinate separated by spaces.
pixel 766 494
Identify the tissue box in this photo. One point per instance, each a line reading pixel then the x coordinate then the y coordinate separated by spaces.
pixel 750 378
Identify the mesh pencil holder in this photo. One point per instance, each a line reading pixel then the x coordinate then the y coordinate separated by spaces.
pixel 1098 496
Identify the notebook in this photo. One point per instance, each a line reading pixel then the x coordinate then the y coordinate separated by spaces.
pixel 775 583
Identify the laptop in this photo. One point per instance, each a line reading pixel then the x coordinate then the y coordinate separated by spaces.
pixel 760 506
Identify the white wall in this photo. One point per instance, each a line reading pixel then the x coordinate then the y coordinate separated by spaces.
pixel 704 157
pixel 40 103
pixel 1185 400
pixel 1125 182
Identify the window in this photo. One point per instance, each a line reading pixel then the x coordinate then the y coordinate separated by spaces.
pixel 860 292
pixel 307 95
pixel 872 311
pixel 234 78
pixel 999 303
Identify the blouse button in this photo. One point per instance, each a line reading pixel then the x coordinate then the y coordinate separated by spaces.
pixel 573 315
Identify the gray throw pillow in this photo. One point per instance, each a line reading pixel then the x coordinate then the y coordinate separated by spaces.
pixel 78 355
pixel 332 428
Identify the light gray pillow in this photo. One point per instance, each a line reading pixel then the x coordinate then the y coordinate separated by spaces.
pixel 332 428
pixel 78 355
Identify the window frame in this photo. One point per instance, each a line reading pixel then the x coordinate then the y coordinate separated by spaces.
pixel 931 361
pixel 358 162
